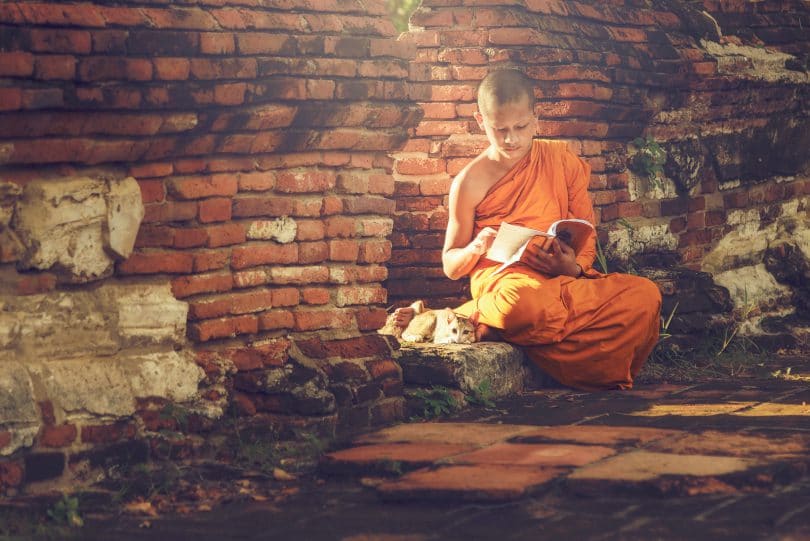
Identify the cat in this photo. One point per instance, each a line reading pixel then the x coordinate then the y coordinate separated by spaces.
pixel 437 326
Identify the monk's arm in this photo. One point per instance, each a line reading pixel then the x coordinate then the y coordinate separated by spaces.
pixel 461 252
pixel 577 178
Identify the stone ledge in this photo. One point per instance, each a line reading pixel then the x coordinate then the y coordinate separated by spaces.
pixel 495 365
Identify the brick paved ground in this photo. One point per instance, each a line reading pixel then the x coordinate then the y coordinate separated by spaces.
pixel 714 461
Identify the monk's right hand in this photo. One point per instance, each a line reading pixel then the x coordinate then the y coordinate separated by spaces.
pixel 482 241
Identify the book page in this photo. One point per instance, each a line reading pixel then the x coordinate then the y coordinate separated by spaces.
pixel 510 241
pixel 573 231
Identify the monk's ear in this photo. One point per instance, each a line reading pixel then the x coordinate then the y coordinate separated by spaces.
pixel 480 119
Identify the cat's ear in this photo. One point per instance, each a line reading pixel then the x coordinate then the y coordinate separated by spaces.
pixel 474 317
pixel 450 315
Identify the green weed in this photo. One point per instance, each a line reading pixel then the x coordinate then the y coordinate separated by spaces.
pixel 649 160
pixel 482 395
pixel 66 512
pixel 436 402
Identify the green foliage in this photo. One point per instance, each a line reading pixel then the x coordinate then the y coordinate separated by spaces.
pixel 400 11
pixel 600 256
pixel 66 512
pixel 436 401
pixel 649 160
pixel 482 395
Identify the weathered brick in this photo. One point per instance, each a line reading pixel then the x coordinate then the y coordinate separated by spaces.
pixel 200 187
pixel 315 295
pixel 216 209
pixel 312 252
pixel 108 433
pixel 264 254
pixel 57 436
pixel 186 286
pixel 213 329
pixel 312 320
pixel 59 67
pixel 344 250
pixel 276 319
pixel 211 260
pixel 157 262
pixel 31 284
pixel 349 295
pixel 189 237
pixel 225 234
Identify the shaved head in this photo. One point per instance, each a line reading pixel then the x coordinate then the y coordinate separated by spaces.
pixel 502 86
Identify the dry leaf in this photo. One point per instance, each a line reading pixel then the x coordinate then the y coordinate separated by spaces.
pixel 281 475
pixel 140 508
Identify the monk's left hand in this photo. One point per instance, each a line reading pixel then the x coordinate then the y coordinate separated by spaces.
pixel 559 259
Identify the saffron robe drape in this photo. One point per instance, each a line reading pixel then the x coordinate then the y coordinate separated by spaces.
pixel 593 332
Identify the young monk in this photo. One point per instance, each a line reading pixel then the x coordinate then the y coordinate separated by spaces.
pixel 587 330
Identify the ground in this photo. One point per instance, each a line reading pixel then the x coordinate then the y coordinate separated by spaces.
pixel 718 457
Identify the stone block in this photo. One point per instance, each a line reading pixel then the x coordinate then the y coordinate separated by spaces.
pixel 147 314
pixel 124 214
pixel 76 225
pixel 467 367
pixel 18 410
pixel 86 386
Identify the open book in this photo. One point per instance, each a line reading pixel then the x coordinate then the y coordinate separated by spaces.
pixel 512 240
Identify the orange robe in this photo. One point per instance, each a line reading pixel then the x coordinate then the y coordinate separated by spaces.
pixel 592 332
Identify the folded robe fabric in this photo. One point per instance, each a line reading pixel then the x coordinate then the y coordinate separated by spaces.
pixel 590 333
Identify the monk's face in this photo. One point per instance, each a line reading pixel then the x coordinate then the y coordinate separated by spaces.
pixel 510 127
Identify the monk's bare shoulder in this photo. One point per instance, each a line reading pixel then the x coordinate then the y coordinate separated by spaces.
pixel 473 182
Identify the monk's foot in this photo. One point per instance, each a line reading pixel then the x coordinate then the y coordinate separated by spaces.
pixel 485 333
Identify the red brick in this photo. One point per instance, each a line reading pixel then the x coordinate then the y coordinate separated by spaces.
pixel 349 295
pixel 152 191
pixel 217 43
pixel 217 209
pixel 230 93
pixel 57 436
pixel 383 369
pixel 736 200
pixel 200 187
pixel 57 40
pixel 186 286
pixel 223 328
pixel 276 319
pixel 16 64
pixel 11 474
pixel 258 181
pixel 311 320
pixel 5 439
pixel 10 99
pixel 190 237
pixel 286 296
pixel 370 318
pixel 715 217
pixel 224 235
pixel 157 262
pixel 211 260
pixel 209 308
pixel 695 220
pixel 46 98
pixel 251 301
pixel 108 433
pixel 305 182
pixel 263 254
pixel 312 252
pixel 344 250
pixel 151 236
pixel 46 412
pixel 55 67
pixel 310 230
pixel 245 207
pixel 172 69
pixel 30 284
pixel 315 295
pixel 374 251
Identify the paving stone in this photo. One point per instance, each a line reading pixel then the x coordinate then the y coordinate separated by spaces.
pixel 715 442
pixel 473 434
pixel 388 457
pixel 686 409
pixel 536 454
pixel 653 391
pixel 659 472
pixel 596 435
pixel 489 482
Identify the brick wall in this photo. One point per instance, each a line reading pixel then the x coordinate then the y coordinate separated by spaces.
pixel 258 133
pixel 732 116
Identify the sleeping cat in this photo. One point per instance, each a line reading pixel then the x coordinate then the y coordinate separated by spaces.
pixel 438 326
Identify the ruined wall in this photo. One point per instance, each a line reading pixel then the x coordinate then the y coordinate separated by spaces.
pixel 730 114
pixel 243 278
